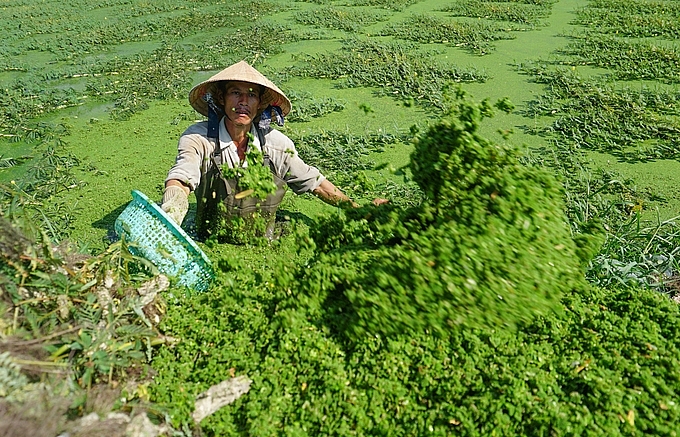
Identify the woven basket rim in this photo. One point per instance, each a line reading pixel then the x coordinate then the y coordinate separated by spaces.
pixel 146 225
pixel 177 231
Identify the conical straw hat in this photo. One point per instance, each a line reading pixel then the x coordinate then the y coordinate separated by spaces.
pixel 240 72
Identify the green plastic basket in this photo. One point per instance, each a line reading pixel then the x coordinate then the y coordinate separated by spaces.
pixel 153 235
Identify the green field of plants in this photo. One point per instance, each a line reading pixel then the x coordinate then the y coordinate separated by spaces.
pixel 522 281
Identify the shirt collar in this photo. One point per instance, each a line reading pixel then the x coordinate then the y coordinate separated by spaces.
pixel 228 148
pixel 226 141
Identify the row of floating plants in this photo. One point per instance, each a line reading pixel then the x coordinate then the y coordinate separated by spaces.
pixel 630 41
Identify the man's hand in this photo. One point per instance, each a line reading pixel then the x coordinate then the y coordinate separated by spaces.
pixel 332 195
pixel 175 203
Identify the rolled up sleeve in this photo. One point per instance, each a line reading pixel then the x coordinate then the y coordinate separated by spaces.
pixel 299 176
pixel 303 178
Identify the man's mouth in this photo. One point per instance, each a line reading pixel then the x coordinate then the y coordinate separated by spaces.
pixel 241 111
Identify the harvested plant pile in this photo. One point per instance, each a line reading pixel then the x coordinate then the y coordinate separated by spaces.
pixel 398 326
pixel 489 246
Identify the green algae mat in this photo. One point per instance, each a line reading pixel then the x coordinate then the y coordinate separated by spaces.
pixel 519 282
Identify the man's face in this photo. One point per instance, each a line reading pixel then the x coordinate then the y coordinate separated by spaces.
pixel 241 102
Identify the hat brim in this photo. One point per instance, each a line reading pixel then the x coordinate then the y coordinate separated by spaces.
pixel 240 72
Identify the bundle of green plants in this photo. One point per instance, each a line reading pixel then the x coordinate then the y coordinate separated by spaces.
pixel 475 36
pixel 527 13
pixel 638 19
pixel 395 5
pixel 397 69
pixel 306 106
pixel 342 155
pixel 487 247
pixel 634 124
pixel 254 183
pixel 75 32
pixel 626 60
pixel 24 101
pixel 252 42
pixel 332 17
pixel 335 345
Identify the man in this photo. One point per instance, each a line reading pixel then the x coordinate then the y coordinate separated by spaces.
pixel 240 104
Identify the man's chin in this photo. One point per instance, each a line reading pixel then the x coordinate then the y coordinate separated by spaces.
pixel 242 119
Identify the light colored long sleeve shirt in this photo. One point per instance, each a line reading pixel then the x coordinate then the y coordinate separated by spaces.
pixel 195 149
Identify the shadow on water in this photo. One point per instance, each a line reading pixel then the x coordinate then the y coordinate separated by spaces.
pixel 107 223
pixel 284 217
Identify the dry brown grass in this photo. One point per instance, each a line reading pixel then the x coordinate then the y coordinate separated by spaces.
pixel 43 415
